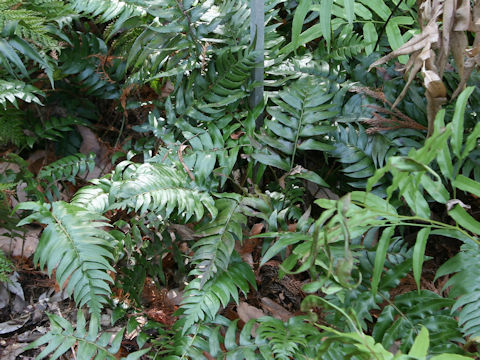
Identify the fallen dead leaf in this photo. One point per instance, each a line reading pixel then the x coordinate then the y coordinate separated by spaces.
pixel 275 309
pixel 247 312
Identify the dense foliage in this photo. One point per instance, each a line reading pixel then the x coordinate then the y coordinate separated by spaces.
pixel 349 187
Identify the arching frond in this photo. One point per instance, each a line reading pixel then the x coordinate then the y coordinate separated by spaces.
pixel 162 189
pixel 75 245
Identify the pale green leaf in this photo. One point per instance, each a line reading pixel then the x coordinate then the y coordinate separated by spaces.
pixel 419 253
pixel 458 119
pixel 380 255
pixel 421 344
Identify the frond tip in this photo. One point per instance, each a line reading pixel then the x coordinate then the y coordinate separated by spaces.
pixel 162 189
pixel 74 244
pixel 88 344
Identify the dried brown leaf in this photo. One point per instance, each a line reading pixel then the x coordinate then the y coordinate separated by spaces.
pixel 434 84
pixel 463 16
pixel 247 312
pixel 275 309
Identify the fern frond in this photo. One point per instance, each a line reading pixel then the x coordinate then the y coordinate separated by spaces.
pixel 106 11
pixel 94 197
pixel 162 188
pixel 221 339
pixel 299 122
pixel 347 44
pixel 289 339
pixel 201 303
pixel 211 98
pixel 11 127
pixel 217 239
pixel 418 309
pixel 30 25
pixel 87 60
pixel 66 168
pixel 53 11
pixel 464 287
pixel 359 153
pixel 75 245
pixel 12 90
pixel 53 129
pixel 63 337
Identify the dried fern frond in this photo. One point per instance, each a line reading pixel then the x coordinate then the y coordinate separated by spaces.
pixel 430 50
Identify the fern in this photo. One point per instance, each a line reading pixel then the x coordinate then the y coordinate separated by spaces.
pixel 67 169
pixel 74 244
pixel 354 149
pixel 11 127
pixel 12 90
pixel 88 60
pixel 401 321
pixel 10 44
pixel 63 337
pixel 297 125
pixel 32 20
pixel 53 129
pixel 287 340
pixel 116 10
pixel 217 239
pixel 464 287
pixel 202 302
pixel 162 189
pixel 94 197
pixel 347 44
pixel 221 339
pixel 205 101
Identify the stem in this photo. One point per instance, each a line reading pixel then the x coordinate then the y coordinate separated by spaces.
pixel 385 25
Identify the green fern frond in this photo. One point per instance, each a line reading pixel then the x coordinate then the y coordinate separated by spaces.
pixel 25 36
pixel 53 129
pixel 11 127
pixel 201 303
pixel 162 188
pixel 347 44
pixel 402 320
pixel 217 239
pixel 464 287
pixel 109 10
pixel 75 245
pixel 221 339
pixel 213 155
pixel 53 11
pixel 86 64
pixel 299 122
pixel 12 90
pixel 30 25
pixel 212 98
pixel 94 197
pixel 67 169
pixel 63 337
pixel 359 153
pixel 287 339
